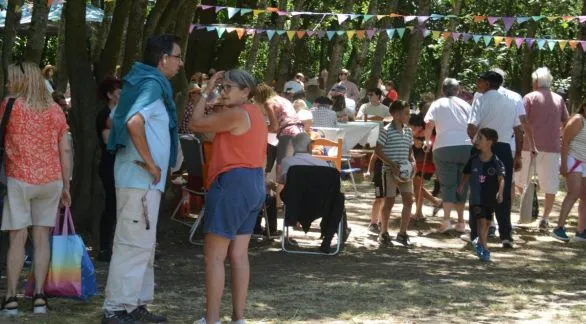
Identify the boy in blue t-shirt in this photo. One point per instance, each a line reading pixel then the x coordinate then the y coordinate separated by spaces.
pixel 486 174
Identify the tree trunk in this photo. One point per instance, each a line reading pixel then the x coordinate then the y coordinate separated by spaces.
pixel 103 31
pixel 362 50
pixel 284 70
pixel 36 33
pixel 133 44
pixel 86 189
pixel 252 54
pixel 448 46
pixel 338 48
pixel 415 43
pixel 12 22
pixel 169 18
pixel 61 77
pixel 111 52
pixel 528 52
pixel 154 16
pixel 576 87
pixel 274 47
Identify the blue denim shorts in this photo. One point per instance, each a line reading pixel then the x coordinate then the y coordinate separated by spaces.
pixel 234 201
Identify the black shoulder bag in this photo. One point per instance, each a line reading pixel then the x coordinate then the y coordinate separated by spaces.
pixel 3 126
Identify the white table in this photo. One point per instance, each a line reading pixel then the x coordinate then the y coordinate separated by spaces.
pixel 353 133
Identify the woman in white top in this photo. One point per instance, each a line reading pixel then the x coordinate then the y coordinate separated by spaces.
pixel 573 157
pixel 451 149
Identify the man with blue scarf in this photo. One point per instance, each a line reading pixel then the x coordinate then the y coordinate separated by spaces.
pixel 145 139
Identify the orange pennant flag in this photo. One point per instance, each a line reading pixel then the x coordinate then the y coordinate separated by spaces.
pixel 573 44
pixel 508 41
pixel 446 35
pixel 568 18
pixel 498 40
pixel 360 34
pixel 395 15
pixel 49 3
pixel 350 34
pixel 240 32
pixel 563 43
pixel 290 34
pixel 479 18
pixel 272 9
pixel 300 34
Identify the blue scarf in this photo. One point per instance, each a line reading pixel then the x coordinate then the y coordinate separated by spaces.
pixel 142 86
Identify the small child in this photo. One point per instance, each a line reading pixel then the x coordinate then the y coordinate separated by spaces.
pixel 486 174
pixel 394 149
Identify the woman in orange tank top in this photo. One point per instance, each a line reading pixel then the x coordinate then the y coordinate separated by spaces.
pixel 237 190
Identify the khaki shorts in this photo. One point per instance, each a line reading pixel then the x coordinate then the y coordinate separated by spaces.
pixel 390 185
pixel 30 205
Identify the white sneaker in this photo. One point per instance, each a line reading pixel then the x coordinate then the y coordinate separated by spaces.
pixel 203 321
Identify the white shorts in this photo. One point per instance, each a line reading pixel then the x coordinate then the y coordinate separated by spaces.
pixel 580 168
pixel 548 171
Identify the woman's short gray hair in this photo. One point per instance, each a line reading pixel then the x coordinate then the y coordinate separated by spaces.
pixel 542 77
pixel 241 78
pixel 450 87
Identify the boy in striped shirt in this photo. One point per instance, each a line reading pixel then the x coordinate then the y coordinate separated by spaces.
pixel 394 148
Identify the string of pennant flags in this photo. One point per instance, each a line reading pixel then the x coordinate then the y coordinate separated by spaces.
pixel 507 21
pixel 487 40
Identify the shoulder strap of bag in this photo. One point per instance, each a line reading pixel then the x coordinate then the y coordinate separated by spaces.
pixel 4 123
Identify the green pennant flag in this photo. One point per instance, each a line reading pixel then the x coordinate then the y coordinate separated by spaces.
pixel 401 32
pixel 487 40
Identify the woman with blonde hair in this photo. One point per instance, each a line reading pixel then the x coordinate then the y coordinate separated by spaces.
pixel 48 72
pixel 37 164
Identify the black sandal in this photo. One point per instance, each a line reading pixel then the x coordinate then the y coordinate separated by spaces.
pixel 40 308
pixel 12 310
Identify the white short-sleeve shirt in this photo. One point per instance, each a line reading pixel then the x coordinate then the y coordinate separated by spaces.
pixel 450 116
pixel 495 110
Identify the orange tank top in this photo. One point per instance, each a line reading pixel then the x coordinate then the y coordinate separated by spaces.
pixel 247 150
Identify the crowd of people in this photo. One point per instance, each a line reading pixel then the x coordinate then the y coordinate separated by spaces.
pixel 479 149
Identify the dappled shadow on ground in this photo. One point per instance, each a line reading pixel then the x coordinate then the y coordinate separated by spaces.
pixel 438 280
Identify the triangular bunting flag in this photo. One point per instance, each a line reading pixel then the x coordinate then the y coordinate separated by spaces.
pixel 282 13
pixel 395 15
pixel 498 40
pixel 366 18
pixel 240 32
pixel 582 19
pixel 354 16
pixel 422 19
pixel 536 18
pixel 573 44
pixel 270 34
pixel 409 18
pixel 272 9
pixel 529 42
pixel 290 34
pixel 245 11
pixel 478 19
pixel 191 28
pixel 486 40
pixel 583 43
pixel 521 20
pixel 370 33
pixel 330 34
pixel 391 33
pixel 320 33
pixel 360 34
pixel 425 32
pixel 218 8
pixel 342 18
pixel 508 41
pixel 205 7
pixel 340 32
pixel 551 44
pixel 280 32
pixel 492 20
pixel 257 12
pixel 220 31
pixel 230 29
pixel 232 12
pixel 300 34
pixel 508 22
pixel 563 43
pixel 436 17
pixel 519 41
pixel 401 32
pixel 350 34
pixel 476 38
pixel 540 43
pixel 568 18
pixel 435 34
pixel 552 18
pixel 310 32
pixel 379 17
pixel 466 37
pixel 456 36
pixel 251 31
pixel 210 28
pixel 446 35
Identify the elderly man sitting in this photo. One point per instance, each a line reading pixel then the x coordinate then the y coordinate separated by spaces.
pixel 302 156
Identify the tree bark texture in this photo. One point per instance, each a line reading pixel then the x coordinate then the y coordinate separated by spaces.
pixel 338 48
pixel 274 47
pixel 86 189
pixel 61 77
pixel 167 22
pixel 36 33
pixel 380 50
pixel 528 52
pixel 111 52
pixel 103 31
pixel 154 16
pixel 448 48
pixel 411 62
pixel 12 22
pixel 251 55
pixel 577 85
pixel 285 63
pixel 364 45
pixel 133 44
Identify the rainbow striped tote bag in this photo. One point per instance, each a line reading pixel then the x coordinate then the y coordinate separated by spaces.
pixel 71 272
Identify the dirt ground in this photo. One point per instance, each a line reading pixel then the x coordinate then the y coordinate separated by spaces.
pixel 439 280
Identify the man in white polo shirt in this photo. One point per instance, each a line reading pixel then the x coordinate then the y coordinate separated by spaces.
pixel 494 110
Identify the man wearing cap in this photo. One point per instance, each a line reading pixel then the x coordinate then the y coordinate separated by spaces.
pixel 352 90
pixel 295 85
pixel 496 111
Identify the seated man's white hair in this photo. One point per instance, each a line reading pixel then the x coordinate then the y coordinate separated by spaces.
pixel 301 143
pixel 542 77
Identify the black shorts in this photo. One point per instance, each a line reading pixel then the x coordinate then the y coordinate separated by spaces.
pixel 426 176
pixel 479 211
pixel 377 179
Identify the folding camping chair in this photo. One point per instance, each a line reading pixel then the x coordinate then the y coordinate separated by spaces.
pixel 314 192
pixel 193 152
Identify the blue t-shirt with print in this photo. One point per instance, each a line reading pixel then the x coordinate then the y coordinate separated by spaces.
pixel 484 182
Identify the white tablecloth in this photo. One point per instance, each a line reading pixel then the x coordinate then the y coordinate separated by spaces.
pixel 353 133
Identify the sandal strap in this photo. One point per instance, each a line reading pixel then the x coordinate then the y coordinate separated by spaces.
pixel 9 300
pixel 40 296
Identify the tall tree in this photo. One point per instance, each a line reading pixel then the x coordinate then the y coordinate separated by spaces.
pixel 285 63
pixel 12 22
pixel 448 47
pixel 382 43
pixel 251 55
pixel 577 86
pixel 103 30
pixel 61 77
pixel 86 189
pixel 412 61
pixel 357 64
pixel 232 45
pixel 111 52
pixel 36 33
pixel 338 48
pixel 154 16
pixel 274 47
pixel 528 52
pixel 133 44
pixel 169 18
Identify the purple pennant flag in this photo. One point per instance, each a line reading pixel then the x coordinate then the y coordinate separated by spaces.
pixel 582 19
pixel 466 37
pixel 320 33
pixel 205 7
pixel 529 42
pixel 422 19
pixel 310 33
pixel 218 8
pixel 281 13
pixel 191 28
pixel 508 22
pixel 370 33
pixel 519 41
pixel 492 20
pixel 583 43
pixel 250 31
pixel 455 36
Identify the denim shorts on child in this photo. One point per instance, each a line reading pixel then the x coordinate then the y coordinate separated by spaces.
pixel 234 201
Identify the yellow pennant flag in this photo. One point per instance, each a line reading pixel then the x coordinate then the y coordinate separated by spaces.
pixel 563 43
pixel 552 18
pixel 257 12
pixel 498 40
pixel 291 34
pixel 350 34
pixel 435 34
pixel 379 17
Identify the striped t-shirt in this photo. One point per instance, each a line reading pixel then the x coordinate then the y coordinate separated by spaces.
pixel 396 144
